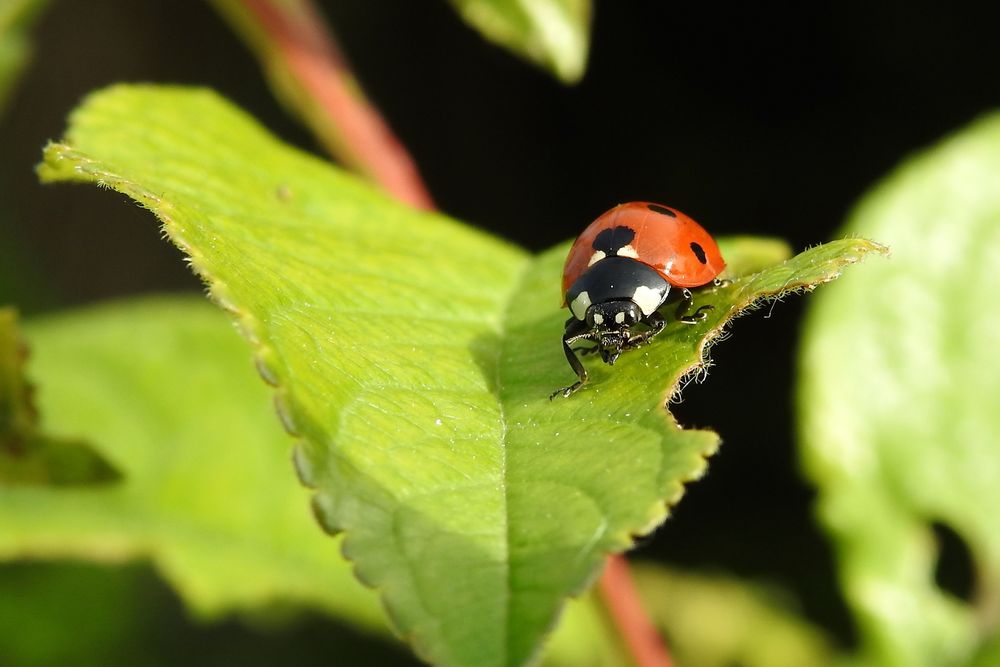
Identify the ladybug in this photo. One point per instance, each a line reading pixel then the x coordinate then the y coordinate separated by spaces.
pixel 622 269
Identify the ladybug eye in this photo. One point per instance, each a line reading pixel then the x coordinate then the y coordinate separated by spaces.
pixel 699 252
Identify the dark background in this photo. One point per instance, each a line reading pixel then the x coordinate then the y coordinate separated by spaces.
pixel 767 119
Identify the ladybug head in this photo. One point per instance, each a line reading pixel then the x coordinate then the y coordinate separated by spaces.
pixel 609 323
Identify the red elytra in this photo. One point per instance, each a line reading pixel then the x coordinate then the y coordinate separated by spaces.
pixel 662 237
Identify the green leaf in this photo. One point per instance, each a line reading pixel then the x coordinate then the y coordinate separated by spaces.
pixel 899 396
pixel 988 654
pixel 584 637
pixel 554 34
pixel 48 615
pixel 28 456
pixel 413 356
pixel 167 389
pixel 16 18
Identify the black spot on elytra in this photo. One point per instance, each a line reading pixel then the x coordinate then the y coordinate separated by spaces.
pixel 656 208
pixel 699 252
pixel 611 240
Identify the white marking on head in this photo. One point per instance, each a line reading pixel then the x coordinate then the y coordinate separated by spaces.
pixel 620 317
pixel 596 257
pixel 648 299
pixel 628 251
pixel 598 318
pixel 580 305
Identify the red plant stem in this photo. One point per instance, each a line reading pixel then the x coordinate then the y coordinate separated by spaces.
pixel 313 58
pixel 622 601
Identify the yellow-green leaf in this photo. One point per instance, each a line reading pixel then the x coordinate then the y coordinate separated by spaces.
pixel 168 391
pixel 900 389
pixel 28 455
pixel 16 18
pixel 554 34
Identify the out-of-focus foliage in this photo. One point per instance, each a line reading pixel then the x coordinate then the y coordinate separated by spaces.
pixel 27 455
pixel 71 614
pixel 16 19
pixel 554 34
pixel 19 280
pixel 166 390
pixel 899 403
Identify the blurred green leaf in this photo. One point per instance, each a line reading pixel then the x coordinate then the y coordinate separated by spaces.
pixel 718 621
pixel 584 637
pixel 28 456
pixel 167 389
pixel 900 389
pixel 16 18
pixel 54 614
pixel 414 357
pixel 21 280
pixel 749 254
pixel 988 654
pixel 70 614
pixel 554 34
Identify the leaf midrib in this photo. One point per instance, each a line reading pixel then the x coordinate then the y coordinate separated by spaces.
pixel 503 338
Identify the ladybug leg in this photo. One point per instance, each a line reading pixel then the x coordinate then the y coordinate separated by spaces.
pixel 685 305
pixel 575 330
pixel 656 322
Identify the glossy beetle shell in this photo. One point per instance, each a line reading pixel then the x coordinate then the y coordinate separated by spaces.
pixel 659 236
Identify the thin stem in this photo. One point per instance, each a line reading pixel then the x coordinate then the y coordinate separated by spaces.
pixel 621 598
pixel 305 63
